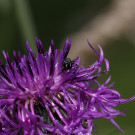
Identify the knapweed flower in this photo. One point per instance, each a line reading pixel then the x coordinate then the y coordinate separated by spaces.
pixel 48 93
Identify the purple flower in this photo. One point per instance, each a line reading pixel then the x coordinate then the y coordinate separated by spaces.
pixel 47 93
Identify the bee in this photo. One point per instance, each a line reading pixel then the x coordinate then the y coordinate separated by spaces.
pixel 67 63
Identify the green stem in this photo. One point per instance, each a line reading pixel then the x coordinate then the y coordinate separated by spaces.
pixel 26 23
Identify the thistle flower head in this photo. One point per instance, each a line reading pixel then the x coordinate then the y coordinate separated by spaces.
pixel 47 93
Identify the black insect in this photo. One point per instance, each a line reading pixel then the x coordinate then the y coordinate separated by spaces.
pixel 67 63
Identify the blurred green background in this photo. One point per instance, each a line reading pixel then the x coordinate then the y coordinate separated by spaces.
pixel 22 20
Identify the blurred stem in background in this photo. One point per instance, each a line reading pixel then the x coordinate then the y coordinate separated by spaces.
pixel 26 23
pixel 116 20
pixel 5 6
